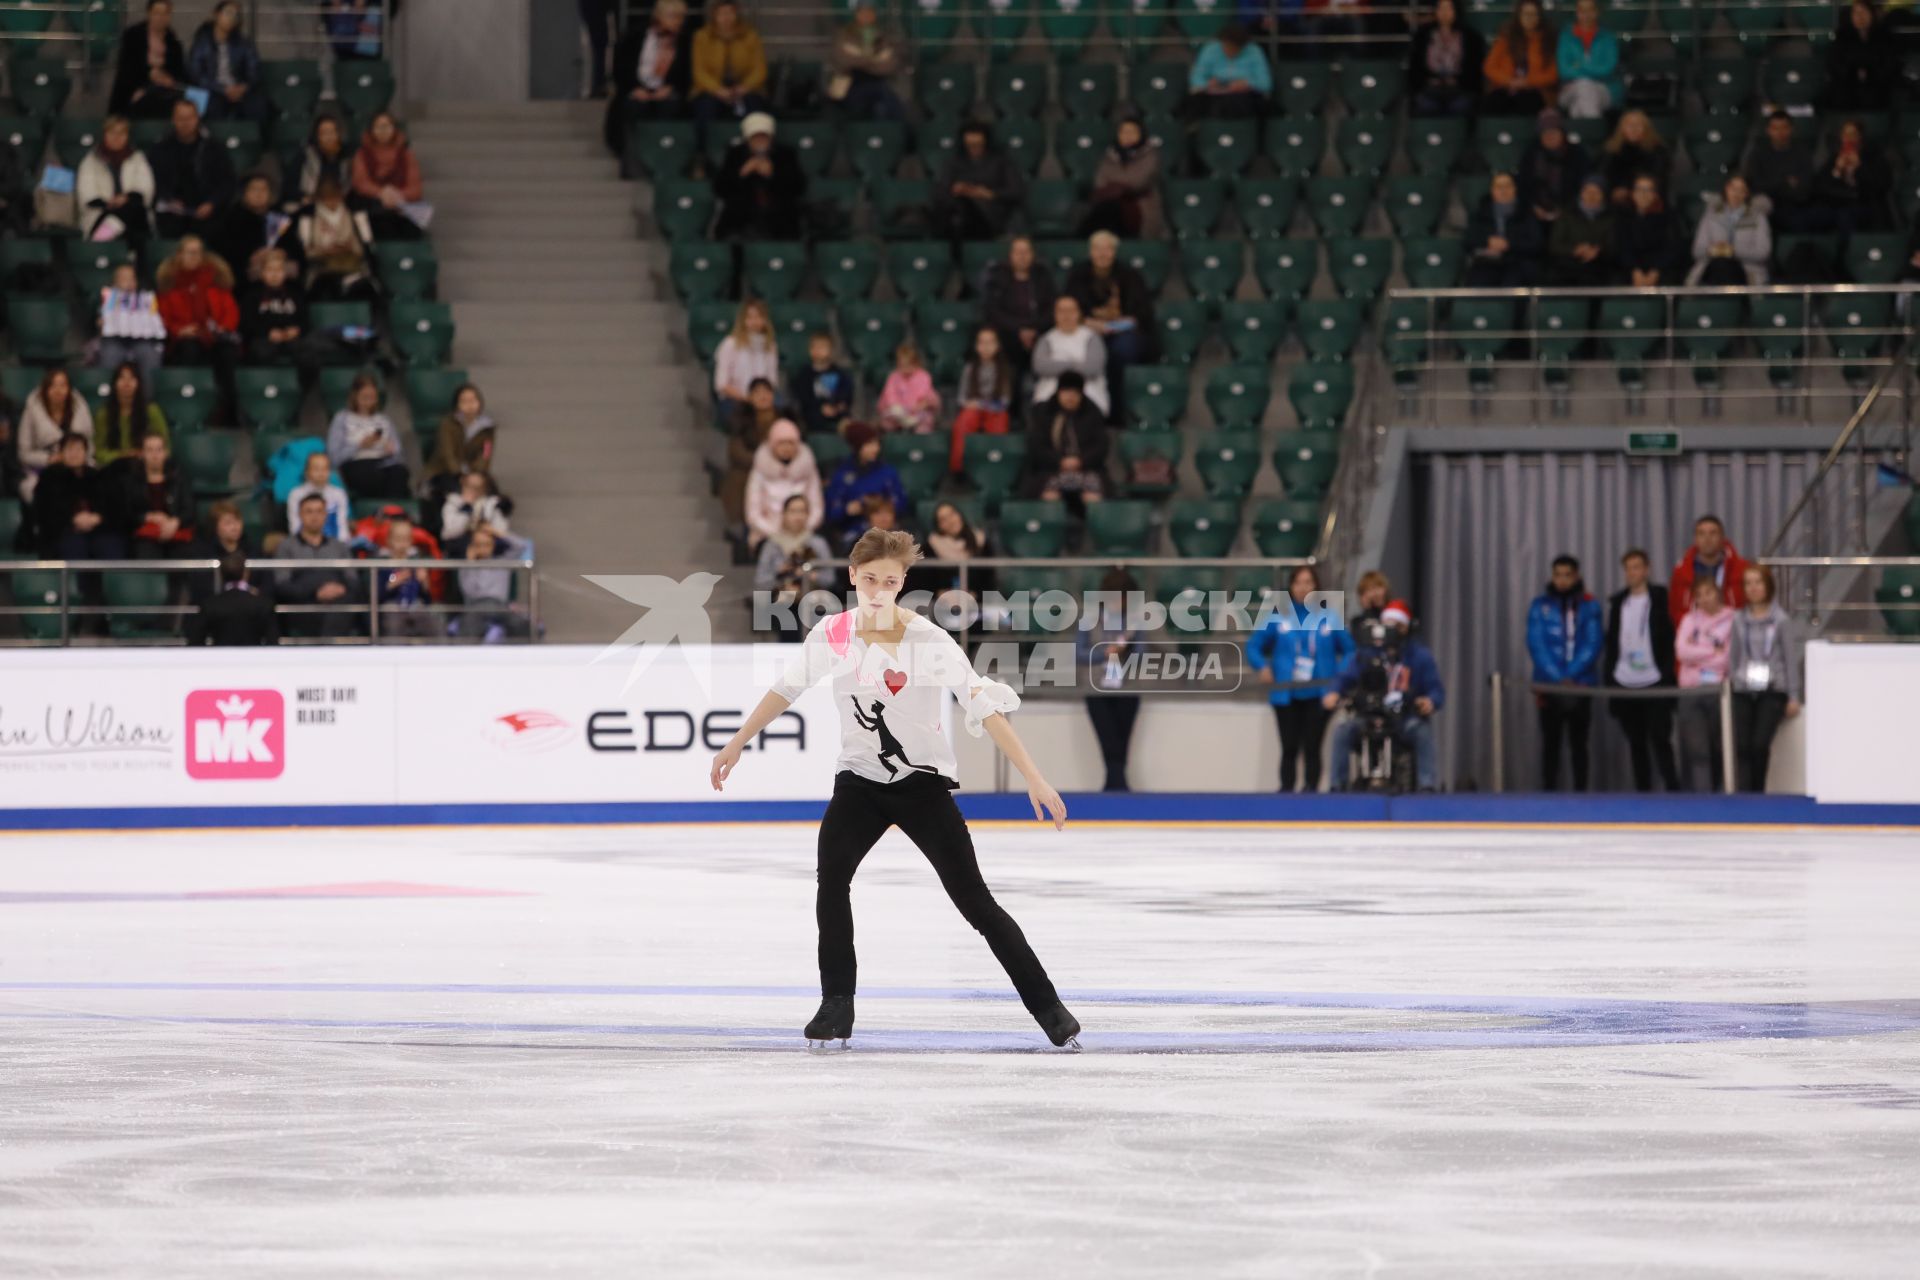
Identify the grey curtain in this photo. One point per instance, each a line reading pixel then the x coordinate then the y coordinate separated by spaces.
pixel 1488 528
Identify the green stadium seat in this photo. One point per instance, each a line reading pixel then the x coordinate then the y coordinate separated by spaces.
pixel 1858 328
pixel 1329 329
pixel 1360 267
pixel 921 461
pixel 1561 327
pixel 1822 250
pixel 701 270
pixel 93 382
pixel 935 140
pixel 1193 205
pixel 18 251
pixel 661 149
pixel 1017 90
pixel 1227 462
pixel 773 269
pixel 994 465
pixel 946 90
pixel 422 332
pixel 919 268
pixel 408 269
pixel 1286 528
pixel 1876 257
pixel 331 317
pixel 1714 142
pixel 207 457
pixel 815 143
pixel 187 396
pixel 1211 268
pixel 900 205
pixel 292 85
pixel 1060 255
pixel 1758 23
pixel 40 87
pixel 1153 259
pixel 1078 144
pixel 1159 88
pixel 1436 145
pixel 334 385
pixel 1205 528
pixel 1338 206
pixel 73 138
pixel 1237 395
pixel 708 324
pixel 1706 330
pixel 1320 393
pixel 1120 527
pixel 872 332
pixel 269 398
pixel 1286 267
pixel 1432 262
pixel 1302 88
pixel 847 268
pixel 829 450
pixel 795 322
pixel 1481 329
pixel 1501 139
pixel 1265 206
pixel 1780 321
pixel 1156 394
pixel 1405 341
pixel 133 594
pixel 1898 596
pixel 1296 144
pixel 1033 529
pixel 364 87
pixel 430 392
pixel 21 381
pixel 1170 135
pixel 1306 461
pixel 1253 330
pixel 874 148
pixel 1369 87
pixel 241 139
pixel 1226 147
pixel 1025 142
pixel 1065 27
pixel 946 331
pixel 1364 145
pixel 1052 207
pixel 1632 331
pixel 11 518
pixel 1415 205
pixel 1088 89
pixel 38 589
pixel 39 326
pixel 831 206
pixel 1725 84
pixel 1182 329
pixel 1143 443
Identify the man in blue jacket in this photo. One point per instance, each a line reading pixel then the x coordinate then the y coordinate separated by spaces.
pixel 1413 693
pixel 1566 632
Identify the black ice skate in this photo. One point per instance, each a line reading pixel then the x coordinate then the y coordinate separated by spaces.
pixel 833 1022
pixel 1061 1027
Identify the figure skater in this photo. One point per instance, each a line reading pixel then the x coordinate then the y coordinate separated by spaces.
pixel 904 665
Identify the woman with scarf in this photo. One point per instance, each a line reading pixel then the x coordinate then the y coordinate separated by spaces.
pixel 463 443
pixel 1503 239
pixel 786 570
pixel 1126 186
pixel 325 156
pixel 126 419
pixel 864 58
pixel 1580 247
pixel 1763 661
pixel 202 317
pixel 225 64
pixel 386 177
pixel 115 181
pixel 1448 65
pixel 1589 65
pixel 335 240
pixel 1646 245
pixel 1520 73
pixel 1734 242
pixel 783 468
pixel 152 67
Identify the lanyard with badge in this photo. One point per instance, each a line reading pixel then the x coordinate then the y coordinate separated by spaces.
pixel 1304 660
pixel 1757 673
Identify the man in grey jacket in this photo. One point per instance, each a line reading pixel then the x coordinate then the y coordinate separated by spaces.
pixel 315 586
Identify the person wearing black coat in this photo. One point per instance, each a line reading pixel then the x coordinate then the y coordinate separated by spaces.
pixel 1504 240
pixel 1067 444
pixel 1639 655
pixel 759 186
pixel 192 178
pixel 1118 306
pixel 1863 62
pixel 74 508
pixel 1551 168
pixel 1017 296
pixel 238 614
pixel 1438 45
pixel 144 87
pixel 641 91
pixel 978 189
pixel 151 501
pixel 1854 182
pixel 1646 242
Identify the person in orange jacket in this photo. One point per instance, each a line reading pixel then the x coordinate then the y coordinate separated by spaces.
pixel 1522 71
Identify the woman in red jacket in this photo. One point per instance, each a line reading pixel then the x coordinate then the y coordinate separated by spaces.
pixel 386 176
pixel 203 320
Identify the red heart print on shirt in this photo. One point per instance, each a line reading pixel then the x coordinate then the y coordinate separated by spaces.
pixel 895 681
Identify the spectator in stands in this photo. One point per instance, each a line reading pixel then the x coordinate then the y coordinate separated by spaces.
pixel 1504 240
pixel 1639 656
pixel 273 318
pixel 1371 592
pixel 355 28
pixel 203 319
pixel 1701 647
pixel 309 541
pixel 1415 676
pixel 864 58
pixel 229 536
pixel 908 401
pixel 1018 295
pixel 486 592
pixel 1646 244
pixel 1126 185
pixel 246 229
pixel 1070 347
pixel 1300 653
pixel 238 615
pixel 1711 556
pixel 325 156
pixel 1734 242
pixel 783 467
pixel 1763 661
pixel 789 562
pixel 1635 148
pixel 318 478
pixel 115 181
pixel 652 73
pixel 54 410
pixel 1447 69
pixel 152 67
pixel 336 242
pixel 1100 649
pixel 1863 62
pixel 861 475
pixel 71 506
pixel 126 420
pixel 475 505
pixel 1521 74
pixel 405 593
pixel 822 389
pixel 978 189
pixel 1566 635
pixel 1067 444
pixel 759 185
pixel 1780 167
pixel 1580 246
pixel 464 441
pixel 883 513
pixel 1230 79
pixel 131 330
pixel 364 445
pixel 1551 168
pixel 951 536
pixel 1589 65
pixel 1118 306
pixel 752 422
pixel 1855 182
pixel 987 387
pixel 386 176
pixel 192 177
pixel 154 502
pixel 226 64
pixel 729 67
pixel 744 355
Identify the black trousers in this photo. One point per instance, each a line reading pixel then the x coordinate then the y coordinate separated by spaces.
pixel 1113 716
pixel 1756 717
pixel 1571 720
pixel 922 806
pixel 1648 724
pixel 1303 728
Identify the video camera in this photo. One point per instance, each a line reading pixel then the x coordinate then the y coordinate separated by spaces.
pixel 1379 651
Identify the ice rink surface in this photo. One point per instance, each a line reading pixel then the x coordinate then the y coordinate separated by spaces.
pixel 533 1052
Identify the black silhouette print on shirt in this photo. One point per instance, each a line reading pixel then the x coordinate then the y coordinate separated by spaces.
pixel 890 748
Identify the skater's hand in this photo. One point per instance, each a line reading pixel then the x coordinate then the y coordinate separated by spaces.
pixel 723 765
pixel 1045 797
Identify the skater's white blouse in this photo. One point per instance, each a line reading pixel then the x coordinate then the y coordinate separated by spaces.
pixel 890 704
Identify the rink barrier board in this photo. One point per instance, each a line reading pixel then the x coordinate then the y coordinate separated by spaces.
pixel 1184 810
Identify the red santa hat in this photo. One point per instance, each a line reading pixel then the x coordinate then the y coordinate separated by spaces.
pixel 1397 614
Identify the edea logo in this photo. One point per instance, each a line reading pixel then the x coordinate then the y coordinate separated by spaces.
pixel 236 733
pixel 528 731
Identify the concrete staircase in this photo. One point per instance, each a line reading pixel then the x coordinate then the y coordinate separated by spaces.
pixel 562 328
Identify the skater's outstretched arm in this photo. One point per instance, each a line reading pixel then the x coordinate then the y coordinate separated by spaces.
pixel 1043 797
pixel 770 708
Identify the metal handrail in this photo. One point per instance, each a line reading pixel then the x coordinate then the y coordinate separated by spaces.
pixel 1721 692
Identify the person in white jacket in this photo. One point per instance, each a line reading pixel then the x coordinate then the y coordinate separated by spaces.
pixel 749 352
pixel 473 505
pixel 52 410
pixel 115 180
pixel 1070 344
pixel 782 467
pixel 318 478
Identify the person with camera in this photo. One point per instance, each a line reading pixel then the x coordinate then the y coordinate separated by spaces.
pixel 786 569
pixel 1566 633
pixel 1392 685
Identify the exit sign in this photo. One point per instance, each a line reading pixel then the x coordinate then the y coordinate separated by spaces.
pixel 1653 442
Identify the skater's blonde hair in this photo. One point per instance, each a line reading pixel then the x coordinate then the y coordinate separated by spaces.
pixel 884 544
